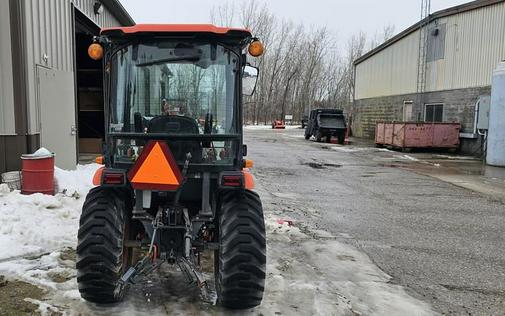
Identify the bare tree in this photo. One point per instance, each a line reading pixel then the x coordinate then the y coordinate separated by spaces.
pixel 388 31
pixel 300 68
pixel 223 14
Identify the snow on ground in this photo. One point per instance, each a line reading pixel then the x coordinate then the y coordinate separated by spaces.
pixel 407 157
pixel 355 149
pixel 35 228
pixel 41 223
pixel 256 127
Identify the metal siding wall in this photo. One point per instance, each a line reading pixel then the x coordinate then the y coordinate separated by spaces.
pixel 474 45
pixel 391 71
pixel 7 125
pixel 49 30
pixel 106 19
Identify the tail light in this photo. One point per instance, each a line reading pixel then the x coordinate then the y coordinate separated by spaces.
pixel 231 179
pixel 113 177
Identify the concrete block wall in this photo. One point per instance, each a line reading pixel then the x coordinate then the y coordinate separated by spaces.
pixel 459 106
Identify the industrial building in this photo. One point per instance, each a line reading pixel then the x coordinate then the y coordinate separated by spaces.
pixel 50 91
pixel 439 69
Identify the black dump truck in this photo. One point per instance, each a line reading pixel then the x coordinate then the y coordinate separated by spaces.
pixel 326 123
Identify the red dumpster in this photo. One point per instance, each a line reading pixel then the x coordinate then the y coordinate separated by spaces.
pixel 417 134
pixel 37 174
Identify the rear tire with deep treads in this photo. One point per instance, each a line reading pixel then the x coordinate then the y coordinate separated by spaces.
pixel 101 255
pixel 240 264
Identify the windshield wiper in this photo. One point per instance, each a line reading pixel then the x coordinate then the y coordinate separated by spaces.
pixel 170 59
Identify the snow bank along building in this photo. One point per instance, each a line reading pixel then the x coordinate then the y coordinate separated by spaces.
pixel 463 45
pixel 50 90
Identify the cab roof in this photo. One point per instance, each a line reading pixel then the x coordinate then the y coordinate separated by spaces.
pixel 176 29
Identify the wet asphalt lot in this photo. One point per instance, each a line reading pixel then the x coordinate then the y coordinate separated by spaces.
pixel 444 244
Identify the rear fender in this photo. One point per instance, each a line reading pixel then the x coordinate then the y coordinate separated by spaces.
pixel 244 178
pixel 248 179
pixel 97 178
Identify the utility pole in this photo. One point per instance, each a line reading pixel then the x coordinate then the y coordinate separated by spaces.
pixel 422 54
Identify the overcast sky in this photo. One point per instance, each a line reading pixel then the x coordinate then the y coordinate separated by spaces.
pixel 342 17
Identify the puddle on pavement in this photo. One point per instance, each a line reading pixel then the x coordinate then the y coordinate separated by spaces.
pixel 272 140
pixel 465 167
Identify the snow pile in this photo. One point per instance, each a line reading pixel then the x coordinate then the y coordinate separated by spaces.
pixel 35 228
pixel 37 223
pixel 42 152
pixel 80 180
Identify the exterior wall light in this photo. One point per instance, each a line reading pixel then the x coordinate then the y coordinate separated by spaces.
pixel 98 7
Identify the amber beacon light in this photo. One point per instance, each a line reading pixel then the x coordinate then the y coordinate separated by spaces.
pixel 95 51
pixel 256 48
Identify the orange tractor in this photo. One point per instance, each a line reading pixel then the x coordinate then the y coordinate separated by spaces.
pixel 175 182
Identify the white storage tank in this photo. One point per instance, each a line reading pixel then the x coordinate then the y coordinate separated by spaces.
pixel 496 134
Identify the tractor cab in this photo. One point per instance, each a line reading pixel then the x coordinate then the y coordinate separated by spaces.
pixel 175 182
pixel 181 84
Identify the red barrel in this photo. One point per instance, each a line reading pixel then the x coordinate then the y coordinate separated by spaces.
pixel 38 174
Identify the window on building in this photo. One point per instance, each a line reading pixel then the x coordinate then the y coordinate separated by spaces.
pixel 434 113
pixel 436 43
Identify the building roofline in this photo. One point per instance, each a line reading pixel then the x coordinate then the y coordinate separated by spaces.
pixel 117 9
pixel 437 15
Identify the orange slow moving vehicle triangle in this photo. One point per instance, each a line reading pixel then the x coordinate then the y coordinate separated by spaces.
pixel 155 169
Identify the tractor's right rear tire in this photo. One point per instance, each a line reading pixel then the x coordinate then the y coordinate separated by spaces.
pixel 240 262
pixel 101 256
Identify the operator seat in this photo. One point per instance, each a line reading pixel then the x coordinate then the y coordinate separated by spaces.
pixel 175 124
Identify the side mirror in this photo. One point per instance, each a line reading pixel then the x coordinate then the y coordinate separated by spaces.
pixel 249 79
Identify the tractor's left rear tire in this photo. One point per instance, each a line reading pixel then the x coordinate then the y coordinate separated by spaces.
pixel 101 256
pixel 240 262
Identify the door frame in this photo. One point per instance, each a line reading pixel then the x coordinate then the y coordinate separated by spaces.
pixel 407 103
